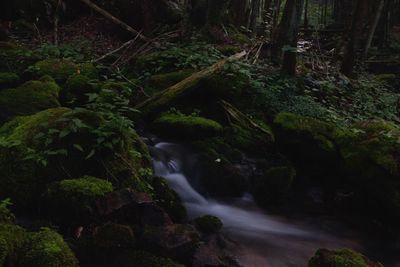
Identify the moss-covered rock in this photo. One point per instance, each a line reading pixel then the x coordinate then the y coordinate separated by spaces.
pixel 341 258
pixel 12 238
pixel 47 249
pixel 169 200
pixel 208 224
pixel 89 70
pixel 273 186
pixel 16 58
pixel 59 69
pixel 8 79
pixel 56 144
pixel 29 98
pixel 74 200
pixel 310 144
pixel 76 89
pixel 192 127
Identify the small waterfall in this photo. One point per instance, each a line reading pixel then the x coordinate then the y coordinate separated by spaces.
pixel 266 241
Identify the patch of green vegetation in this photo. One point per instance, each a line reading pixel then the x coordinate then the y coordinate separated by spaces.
pixel 115 236
pixel 340 258
pixel 5 214
pixel 12 238
pixel 59 143
pixel 76 89
pixel 16 58
pixel 47 249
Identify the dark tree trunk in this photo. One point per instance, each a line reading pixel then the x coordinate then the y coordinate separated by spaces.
pixel 288 35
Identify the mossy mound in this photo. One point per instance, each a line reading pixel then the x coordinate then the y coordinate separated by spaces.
pixel 56 144
pixel 74 200
pixel 59 69
pixel 75 90
pixel 29 98
pixel 47 249
pixel 169 200
pixel 341 258
pixel 8 79
pixel 193 127
pixel 309 143
pixel 208 224
pixel 273 186
pixel 15 58
pixel 12 238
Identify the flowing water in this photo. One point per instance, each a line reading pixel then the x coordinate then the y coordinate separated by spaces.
pixel 264 240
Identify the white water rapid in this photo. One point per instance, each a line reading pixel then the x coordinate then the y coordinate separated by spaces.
pixel 264 240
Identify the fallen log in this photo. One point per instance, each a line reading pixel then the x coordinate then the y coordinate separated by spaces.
pixel 161 100
pixel 115 20
pixel 243 120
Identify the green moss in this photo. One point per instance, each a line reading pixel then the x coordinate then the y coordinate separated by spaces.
pixel 12 238
pixel 208 224
pixel 76 89
pixel 3 251
pixel 186 126
pixel 165 80
pixel 340 258
pixel 59 69
pixel 29 98
pixel 272 187
pixel 88 70
pixel 58 143
pixel 8 79
pixel 168 199
pixel 5 214
pixel 16 58
pixel 74 199
pixel 47 249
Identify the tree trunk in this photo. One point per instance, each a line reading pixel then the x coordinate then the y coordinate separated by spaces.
pixel 288 35
pixel 373 27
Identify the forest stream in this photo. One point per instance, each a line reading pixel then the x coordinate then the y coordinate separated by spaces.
pixel 263 240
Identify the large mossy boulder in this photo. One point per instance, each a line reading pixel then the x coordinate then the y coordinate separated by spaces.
pixel 60 143
pixel 46 249
pixel 74 200
pixel 273 185
pixel 341 258
pixel 76 90
pixel 29 98
pixel 189 127
pixel 59 69
pixel 309 143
